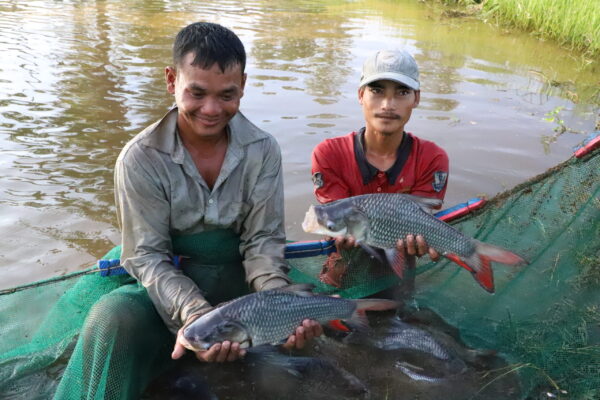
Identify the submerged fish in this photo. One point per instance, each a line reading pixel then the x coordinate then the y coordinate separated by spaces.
pixel 270 316
pixel 433 362
pixel 379 220
pixel 417 373
pixel 399 335
pixel 301 377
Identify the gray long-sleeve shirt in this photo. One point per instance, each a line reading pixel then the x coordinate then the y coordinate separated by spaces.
pixel 159 192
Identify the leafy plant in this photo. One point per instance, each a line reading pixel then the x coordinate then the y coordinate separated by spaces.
pixel 553 116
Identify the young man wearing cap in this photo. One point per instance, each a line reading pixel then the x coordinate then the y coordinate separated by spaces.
pixel 382 157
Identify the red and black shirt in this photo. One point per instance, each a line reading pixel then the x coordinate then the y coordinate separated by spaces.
pixel 340 169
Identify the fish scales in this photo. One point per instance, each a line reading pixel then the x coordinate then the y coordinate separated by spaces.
pixel 271 314
pixel 404 336
pixel 392 217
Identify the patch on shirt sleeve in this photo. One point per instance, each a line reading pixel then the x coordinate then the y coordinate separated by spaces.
pixel 317 179
pixel 439 180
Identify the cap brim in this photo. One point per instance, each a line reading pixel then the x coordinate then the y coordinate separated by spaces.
pixel 391 76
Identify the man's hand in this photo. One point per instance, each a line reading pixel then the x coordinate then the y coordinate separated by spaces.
pixel 417 246
pixel 345 242
pixel 414 246
pixel 305 332
pixel 218 352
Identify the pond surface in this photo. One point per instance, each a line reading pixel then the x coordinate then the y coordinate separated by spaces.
pixel 79 79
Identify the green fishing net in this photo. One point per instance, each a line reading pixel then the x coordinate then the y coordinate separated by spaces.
pixel 544 318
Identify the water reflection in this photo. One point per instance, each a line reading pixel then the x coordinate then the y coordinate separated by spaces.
pixel 311 43
pixel 79 79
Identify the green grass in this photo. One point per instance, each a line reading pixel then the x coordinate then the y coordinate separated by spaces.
pixel 573 23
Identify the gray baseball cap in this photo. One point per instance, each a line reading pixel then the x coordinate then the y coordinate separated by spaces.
pixel 394 65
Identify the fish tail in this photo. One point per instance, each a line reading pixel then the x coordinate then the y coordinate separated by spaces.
pixel 480 263
pixel 483 359
pixel 479 266
pixel 498 254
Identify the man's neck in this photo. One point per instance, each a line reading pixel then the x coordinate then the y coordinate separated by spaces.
pixel 204 145
pixel 208 154
pixel 381 150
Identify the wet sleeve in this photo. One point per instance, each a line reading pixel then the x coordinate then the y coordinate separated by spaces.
pixel 432 178
pixel 143 211
pixel 327 175
pixel 263 237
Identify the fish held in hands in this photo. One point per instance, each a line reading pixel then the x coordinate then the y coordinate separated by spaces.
pixel 380 220
pixel 270 316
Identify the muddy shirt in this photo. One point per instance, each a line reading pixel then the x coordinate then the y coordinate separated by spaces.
pixel 159 193
pixel 340 169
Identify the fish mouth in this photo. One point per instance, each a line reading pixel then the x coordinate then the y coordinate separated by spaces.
pixel 311 224
pixel 198 346
pixel 203 346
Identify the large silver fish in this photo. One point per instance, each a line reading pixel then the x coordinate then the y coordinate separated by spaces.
pixel 436 361
pixel 400 335
pixel 270 316
pixel 379 220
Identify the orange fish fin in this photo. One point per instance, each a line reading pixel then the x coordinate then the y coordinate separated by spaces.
pixel 338 325
pixel 455 258
pixel 483 273
pixel 485 276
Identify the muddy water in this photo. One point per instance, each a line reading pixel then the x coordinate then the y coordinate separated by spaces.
pixel 78 79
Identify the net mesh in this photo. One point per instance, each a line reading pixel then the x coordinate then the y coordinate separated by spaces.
pixel 544 318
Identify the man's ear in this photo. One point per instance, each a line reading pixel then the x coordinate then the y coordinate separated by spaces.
pixel 361 92
pixel 244 77
pixel 170 77
pixel 417 98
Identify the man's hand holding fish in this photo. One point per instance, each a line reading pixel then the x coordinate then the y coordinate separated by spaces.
pixel 219 352
pixel 412 245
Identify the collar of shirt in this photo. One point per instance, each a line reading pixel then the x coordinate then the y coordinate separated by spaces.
pixel 369 172
pixel 163 135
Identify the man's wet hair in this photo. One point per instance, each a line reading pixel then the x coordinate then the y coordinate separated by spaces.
pixel 210 43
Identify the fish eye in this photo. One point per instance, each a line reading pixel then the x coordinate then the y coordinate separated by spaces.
pixel 330 225
pixel 226 328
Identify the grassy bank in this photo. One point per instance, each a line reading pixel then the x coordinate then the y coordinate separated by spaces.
pixel 572 23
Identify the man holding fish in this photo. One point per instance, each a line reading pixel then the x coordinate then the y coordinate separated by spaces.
pixel 382 157
pixel 202 182
pixel 231 169
pixel 379 184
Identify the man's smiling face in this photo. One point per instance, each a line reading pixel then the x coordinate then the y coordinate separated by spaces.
pixel 207 99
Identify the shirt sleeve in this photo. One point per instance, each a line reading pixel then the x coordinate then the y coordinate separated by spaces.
pixel 143 211
pixel 263 236
pixel 328 183
pixel 432 179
